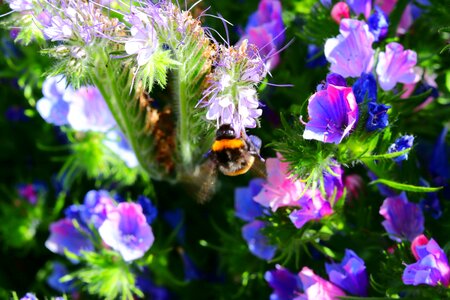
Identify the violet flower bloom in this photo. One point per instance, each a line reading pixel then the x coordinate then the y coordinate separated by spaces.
pixel 52 107
pixel 29 296
pixel 378 117
pixel 332 182
pixel 365 87
pixel 350 274
pixel 265 29
pixel 118 143
pixel 257 241
pixel 126 230
pixel 246 208
pixel 402 143
pixel 285 285
pixel 31 191
pixel 64 236
pixel 315 57
pixel 403 219
pixel 280 189
pixel 431 267
pixel 53 280
pixel 333 113
pixel 88 110
pixel 420 240
pixel 378 24
pixel 351 53
pixel 316 287
pixel 332 78
pixel 313 207
pixel 396 65
pixel 148 209
pixel 97 205
pixel 361 7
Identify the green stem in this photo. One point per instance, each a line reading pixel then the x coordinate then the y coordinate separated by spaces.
pixel 183 119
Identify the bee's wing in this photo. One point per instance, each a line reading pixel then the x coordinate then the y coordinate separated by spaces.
pixel 202 182
pixel 259 167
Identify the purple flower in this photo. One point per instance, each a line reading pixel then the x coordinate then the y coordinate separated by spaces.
pixel 332 182
pixel 365 87
pixel 118 143
pixel 285 285
pixel 403 219
pixel 361 7
pixel 246 208
pixel 332 114
pixel 431 267
pixel 396 65
pixel 315 57
pixel 377 116
pixel 88 110
pixel 378 24
pixel 316 287
pixel 265 29
pixel 150 289
pixel 29 296
pixel 64 236
pixel 402 143
pixel 432 205
pixel 53 280
pixel 351 53
pixel 313 207
pixel 148 209
pixel 335 79
pixel 97 205
pixel 52 107
pixel 350 274
pixel 31 191
pixel 257 241
pixel 126 230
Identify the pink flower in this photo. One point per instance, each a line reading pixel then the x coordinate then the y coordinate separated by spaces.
pixel 340 11
pixel 316 287
pixel 351 53
pixel 396 65
pixel 313 207
pixel 420 240
pixel 281 189
pixel 126 230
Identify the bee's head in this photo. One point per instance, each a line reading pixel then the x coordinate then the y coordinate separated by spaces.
pixel 225 131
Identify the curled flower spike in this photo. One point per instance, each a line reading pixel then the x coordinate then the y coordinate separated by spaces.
pixel 333 113
pixel 231 96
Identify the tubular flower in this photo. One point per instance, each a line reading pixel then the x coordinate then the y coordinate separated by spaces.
pixel 127 231
pixel 402 143
pixel 431 267
pixel 52 107
pixel 403 219
pixel 231 96
pixel 257 241
pixel 332 114
pixel 315 287
pixel 396 65
pixel 351 53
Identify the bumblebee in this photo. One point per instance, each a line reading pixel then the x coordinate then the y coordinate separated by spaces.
pixel 234 156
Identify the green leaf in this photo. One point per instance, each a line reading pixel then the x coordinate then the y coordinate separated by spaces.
pixel 406 187
pixel 386 155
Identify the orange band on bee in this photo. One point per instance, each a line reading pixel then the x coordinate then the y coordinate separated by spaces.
pixel 220 145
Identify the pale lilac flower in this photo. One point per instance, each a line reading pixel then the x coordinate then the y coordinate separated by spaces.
pixel 52 107
pixel 396 65
pixel 144 39
pixel 97 205
pixel 333 113
pixel 231 96
pixel 126 230
pixel 280 189
pixel 88 110
pixel 20 5
pixel 316 287
pixel 59 29
pixel 350 274
pixel 351 53
pixel 257 241
pixel 29 296
pixel 403 219
pixel 64 236
pixel 431 267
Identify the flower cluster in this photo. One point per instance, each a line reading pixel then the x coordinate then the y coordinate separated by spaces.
pixel 124 227
pixel 231 96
